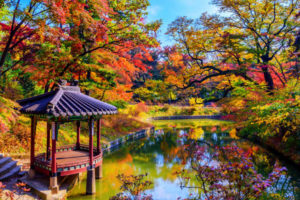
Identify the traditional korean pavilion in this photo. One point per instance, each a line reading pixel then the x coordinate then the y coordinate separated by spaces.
pixel 66 104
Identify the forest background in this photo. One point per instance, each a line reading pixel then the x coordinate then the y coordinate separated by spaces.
pixel 241 62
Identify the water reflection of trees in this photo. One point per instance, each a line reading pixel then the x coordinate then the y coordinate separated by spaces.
pixel 168 146
pixel 264 162
pixel 163 154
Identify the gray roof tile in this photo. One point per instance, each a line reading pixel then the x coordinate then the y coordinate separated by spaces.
pixel 67 101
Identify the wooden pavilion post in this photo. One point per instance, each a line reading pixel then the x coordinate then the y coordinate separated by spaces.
pixel 91 134
pixel 98 169
pixel 53 178
pixel 48 140
pixel 91 182
pixel 78 134
pixel 32 152
pixel 98 136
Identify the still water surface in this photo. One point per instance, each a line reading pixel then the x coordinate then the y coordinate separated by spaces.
pixel 162 155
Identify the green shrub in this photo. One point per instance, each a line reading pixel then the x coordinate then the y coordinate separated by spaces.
pixel 119 103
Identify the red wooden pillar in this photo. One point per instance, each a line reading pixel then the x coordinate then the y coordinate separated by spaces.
pixel 91 180
pixel 98 170
pixel 98 136
pixel 53 179
pixel 33 133
pixel 54 135
pixel 91 134
pixel 78 134
pixel 48 140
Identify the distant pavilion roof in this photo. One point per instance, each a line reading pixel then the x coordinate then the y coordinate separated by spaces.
pixel 66 101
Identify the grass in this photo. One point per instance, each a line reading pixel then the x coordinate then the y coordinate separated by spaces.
pixel 189 123
pixel 168 110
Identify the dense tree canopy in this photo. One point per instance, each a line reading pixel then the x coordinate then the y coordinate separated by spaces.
pixel 90 41
pixel 252 40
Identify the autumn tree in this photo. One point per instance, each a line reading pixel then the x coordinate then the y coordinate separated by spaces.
pixel 90 41
pixel 122 31
pixel 250 40
pixel 250 49
pixel 153 71
pixel 17 28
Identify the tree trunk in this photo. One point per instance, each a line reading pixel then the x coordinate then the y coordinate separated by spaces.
pixel 47 87
pixel 267 75
pixel 268 78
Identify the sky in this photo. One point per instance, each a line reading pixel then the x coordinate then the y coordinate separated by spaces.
pixel 169 10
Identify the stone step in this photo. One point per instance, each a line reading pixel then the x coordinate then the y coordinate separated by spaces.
pixel 7 167
pixel 13 172
pixel 22 173
pixel 4 160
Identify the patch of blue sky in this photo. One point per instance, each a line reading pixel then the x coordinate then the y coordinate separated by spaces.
pixel 169 10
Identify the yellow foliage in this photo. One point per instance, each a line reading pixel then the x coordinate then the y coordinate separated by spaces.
pixel 196 101
pixel 232 134
pixel 197 133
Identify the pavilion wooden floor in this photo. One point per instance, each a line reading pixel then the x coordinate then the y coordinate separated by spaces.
pixel 67 157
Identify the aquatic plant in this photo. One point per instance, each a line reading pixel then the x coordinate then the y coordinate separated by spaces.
pixel 133 187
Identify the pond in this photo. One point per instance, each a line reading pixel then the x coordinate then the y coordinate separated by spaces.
pixel 161 156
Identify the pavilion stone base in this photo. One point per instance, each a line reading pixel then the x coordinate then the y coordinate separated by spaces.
pixel 98 171
pixel 40 187
pixel 53 186
pixel 91 181
pixel 31 173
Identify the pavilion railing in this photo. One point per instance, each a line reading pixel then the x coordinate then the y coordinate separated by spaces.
pixel 73 147
pixel 42 162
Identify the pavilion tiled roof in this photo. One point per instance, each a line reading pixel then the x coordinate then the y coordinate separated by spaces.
pixel 66 101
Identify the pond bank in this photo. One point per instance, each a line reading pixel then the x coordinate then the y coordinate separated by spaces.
pixel 187 117
pixel 271 146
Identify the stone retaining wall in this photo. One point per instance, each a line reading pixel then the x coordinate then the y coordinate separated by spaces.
pixel 115 144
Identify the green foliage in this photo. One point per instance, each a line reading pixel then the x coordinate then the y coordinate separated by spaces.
pixel 173 110
pixel 153 91
pixel 279 113
pixel 8 115
pixel 196 123
pixel 271 118
pixel 16 85
pixel 121 104
pixel 4 12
